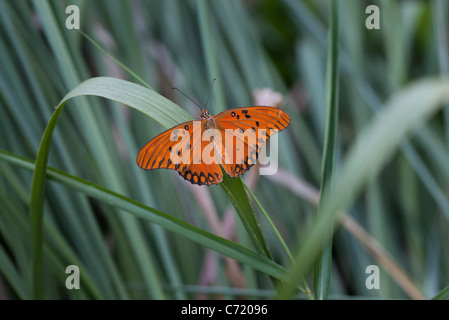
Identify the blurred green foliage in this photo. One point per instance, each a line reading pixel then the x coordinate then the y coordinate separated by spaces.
pixel 246 45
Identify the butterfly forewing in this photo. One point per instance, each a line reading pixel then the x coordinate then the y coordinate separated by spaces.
pixel 198 171
pixel 250 128
pixel 163 150
pixel 254 117
pixel 180 149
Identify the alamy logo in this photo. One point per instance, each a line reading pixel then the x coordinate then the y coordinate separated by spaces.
pixel 373 20
pixel 73 280
pixel 373 280
pixel 73 20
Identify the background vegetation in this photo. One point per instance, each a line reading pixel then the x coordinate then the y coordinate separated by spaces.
pixel 396 218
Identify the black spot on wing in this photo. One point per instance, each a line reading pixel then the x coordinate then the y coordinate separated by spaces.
pixel 201 178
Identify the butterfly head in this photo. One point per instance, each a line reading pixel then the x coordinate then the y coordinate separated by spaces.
pixel 204 115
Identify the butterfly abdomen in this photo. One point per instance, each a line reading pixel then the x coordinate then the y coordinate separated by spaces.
pixel 201 178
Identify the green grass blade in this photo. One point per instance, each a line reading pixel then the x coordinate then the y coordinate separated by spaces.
pixel 136 96
pixel 267 217
pixel 209 49
pixel 305 287
pixel 237 195
pixel 37 207
pixel 439 10
pixel 11 275
pixel 323 265
pixel 442 295
pixel 132 73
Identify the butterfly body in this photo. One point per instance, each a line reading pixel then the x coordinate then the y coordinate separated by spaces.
pixel 210 122
pixel 231 139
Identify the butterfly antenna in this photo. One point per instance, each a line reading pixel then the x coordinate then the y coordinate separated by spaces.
pixel 210 90
pixel 188 97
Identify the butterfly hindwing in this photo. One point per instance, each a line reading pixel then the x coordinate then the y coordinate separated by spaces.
pixel 203 174
pixel 250 128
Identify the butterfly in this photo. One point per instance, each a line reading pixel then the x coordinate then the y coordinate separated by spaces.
pixel 236 139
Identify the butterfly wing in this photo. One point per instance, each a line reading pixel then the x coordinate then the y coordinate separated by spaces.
pixel 249 128
pixel 246 128
pixel 179 148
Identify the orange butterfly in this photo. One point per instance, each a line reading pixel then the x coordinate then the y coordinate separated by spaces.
pixel 244 130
